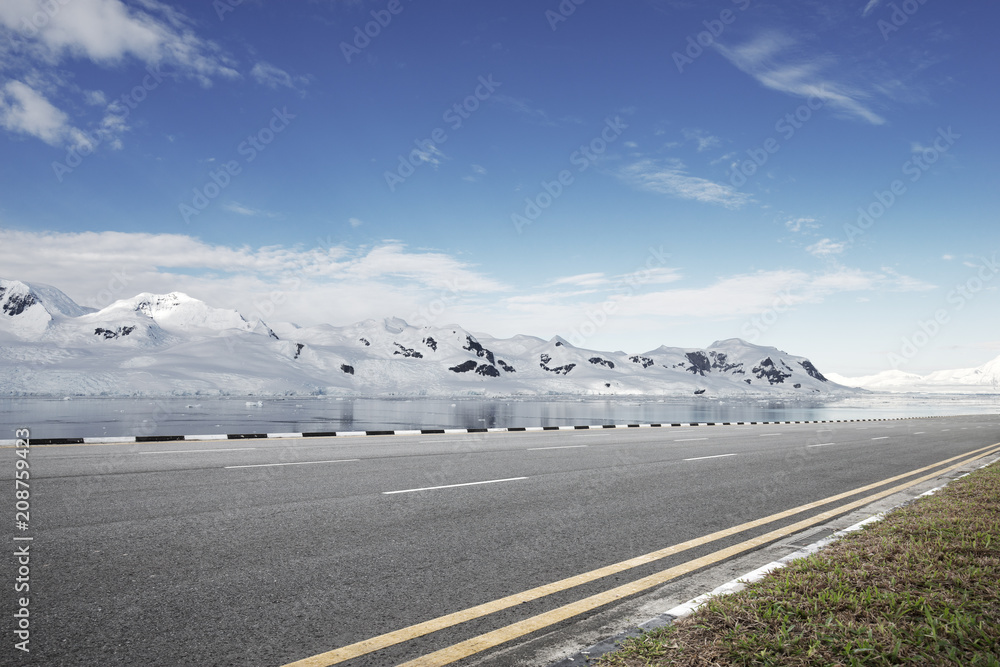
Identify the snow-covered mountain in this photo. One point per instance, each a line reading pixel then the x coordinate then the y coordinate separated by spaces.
pixel 984 379
pixel 173 344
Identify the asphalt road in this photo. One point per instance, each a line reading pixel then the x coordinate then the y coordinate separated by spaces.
pixel 263 552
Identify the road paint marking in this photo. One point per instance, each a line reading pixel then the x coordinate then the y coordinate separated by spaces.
pixel 379 642
pixel 538 449
pixel 454 486
pixel 945 429
pixel 764 435
pixel 823 444
pixel 689 439
pixel 717 456
pixel 503 635
pixel 297 463
pixel 190 451
pixel 920 432
pixel 884 437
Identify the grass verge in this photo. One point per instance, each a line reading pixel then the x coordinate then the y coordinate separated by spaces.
pixel 921 587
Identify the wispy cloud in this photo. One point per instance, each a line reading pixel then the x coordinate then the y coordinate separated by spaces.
pixel 798 224
pixel 670 177
pixel 704 140
pixel 870 7
pixel 236 207
pixel 769 58
pixel 272 76
pixel 524 109
pixel 825 248
pixel 327 283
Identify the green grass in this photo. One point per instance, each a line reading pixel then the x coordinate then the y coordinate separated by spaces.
pixel 921 587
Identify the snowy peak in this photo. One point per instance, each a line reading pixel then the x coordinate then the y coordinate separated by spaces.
pixel 156 344
pixel 982 379
pixel 178 311
pixel 27 309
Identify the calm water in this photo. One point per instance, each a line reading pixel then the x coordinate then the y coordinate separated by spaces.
pixel 90 417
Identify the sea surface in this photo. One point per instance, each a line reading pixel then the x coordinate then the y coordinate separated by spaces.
pixel 93 417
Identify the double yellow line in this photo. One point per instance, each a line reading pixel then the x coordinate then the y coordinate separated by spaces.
pixel 495 638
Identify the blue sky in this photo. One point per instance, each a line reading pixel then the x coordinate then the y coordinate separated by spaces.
pixel 623 174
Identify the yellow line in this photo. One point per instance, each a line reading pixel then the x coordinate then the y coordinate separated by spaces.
pixel 420 629
pixel 490 639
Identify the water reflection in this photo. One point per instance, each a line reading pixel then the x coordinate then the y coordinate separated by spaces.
pixel 91 417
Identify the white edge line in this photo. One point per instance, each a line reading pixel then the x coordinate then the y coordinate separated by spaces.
pixel 884 437
pixel 101 440
pixel 717 456
pixel 690 439
pixel 297 463
pixel 191 451
pixel 284 435
pixel 452 486
pixel 538 449
pixel 217 436
pixel 822 444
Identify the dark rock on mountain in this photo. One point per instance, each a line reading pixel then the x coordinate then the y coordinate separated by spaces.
pixel 699 363
pixel 507 367
pixel 464 367
pixel 488 370
pixel 601 362
pixel 431 343
pixel 407 352
pixel 347 368
pixel 18 303
pixel 110 334
pixel 298 350
pixel 809 368
pixel 767 369
pixel 645 361
pixel 473 345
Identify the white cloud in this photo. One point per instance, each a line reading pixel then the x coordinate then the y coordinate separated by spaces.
pixel 109 31
pixel 355 222
pixel 767 59
pixel 870 7
pixel 705 141
pixel 236 207
pixel 272 76
pixel 947 258
pixel 826 247
pixel 328 283
pixel 26 111
pixel 798 224
pixel 583 279
pixel 670 177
